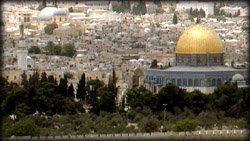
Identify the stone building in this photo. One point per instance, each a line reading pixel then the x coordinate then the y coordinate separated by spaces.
pixel 199 63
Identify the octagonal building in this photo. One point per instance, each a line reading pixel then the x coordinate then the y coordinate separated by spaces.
pixel 199 63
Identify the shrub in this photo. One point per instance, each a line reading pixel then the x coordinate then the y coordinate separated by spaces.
pixel 149 124
pixel 23 128
pixel 185 125
pixel 34 49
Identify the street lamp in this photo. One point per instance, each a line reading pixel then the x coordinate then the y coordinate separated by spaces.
pixel 164 110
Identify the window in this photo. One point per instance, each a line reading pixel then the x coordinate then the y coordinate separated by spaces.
pixel 60 19
pixel 189 59
pixel 218 81
pixel 198 60
pixel 208 82
pixel 196 82
pixel 173 81
pixel 215 59
pixel 15 77
pixel 213 82
pixel 178 82
pixel 202 83
pixel 168 81
pixel 190 82
pixel 184 82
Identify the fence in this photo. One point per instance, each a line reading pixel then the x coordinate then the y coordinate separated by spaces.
pixel 206 134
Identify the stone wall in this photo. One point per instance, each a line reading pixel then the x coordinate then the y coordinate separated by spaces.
pixel 196 135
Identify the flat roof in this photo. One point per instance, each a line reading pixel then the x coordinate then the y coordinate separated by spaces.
pixel 196 69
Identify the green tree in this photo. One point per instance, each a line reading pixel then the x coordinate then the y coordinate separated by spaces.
pixel 70 92
pixel 34 80
pixel 175 20
pixel 191 12
pixel 43 77
pixel 56 50
pixel 112 82
pixel 70 9
pixel 63 86
pixel 141 97
pixel 107 100
pixel 69 106
pixel 24 128
pixel 92 87
pixel 25 81
pixel 196 101
pixel 5 88
pixel 14 98
pixel 140 8
pixel 149 124
pixel 171 95
pixel 224 96
pixel 68 50
pixel 185 125
pixel 48 29
pixel 81 89
pixel 34 49
pixel 21 110
pixel 51 79
pixel 154 64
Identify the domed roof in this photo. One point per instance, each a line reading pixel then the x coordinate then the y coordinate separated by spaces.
pixel 237 77
pixel 47 13
pixel 60 12
pixel 199 39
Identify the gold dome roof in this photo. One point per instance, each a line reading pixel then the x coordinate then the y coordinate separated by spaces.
pixel 199 39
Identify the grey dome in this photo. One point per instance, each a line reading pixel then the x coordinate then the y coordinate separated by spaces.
pixel 60 12
pixel 237 77
pixel 47 13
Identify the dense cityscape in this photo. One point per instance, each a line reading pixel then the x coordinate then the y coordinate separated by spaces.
pixel 106 67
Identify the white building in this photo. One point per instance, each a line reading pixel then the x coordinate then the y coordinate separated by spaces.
pixel 208 7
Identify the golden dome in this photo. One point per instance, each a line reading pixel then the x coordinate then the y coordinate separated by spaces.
pixel 199 39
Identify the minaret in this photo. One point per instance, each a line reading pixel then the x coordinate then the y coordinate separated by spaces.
pixel 110 8
pixel 44 3
pixel 22 51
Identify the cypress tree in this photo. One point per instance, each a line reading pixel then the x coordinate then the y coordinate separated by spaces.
pixel 51 79
pixel 175 20
pixel 191 11
pixel 63 86
pixel 81 90
pixel 70 92
pixel 25 81
pixel 44 77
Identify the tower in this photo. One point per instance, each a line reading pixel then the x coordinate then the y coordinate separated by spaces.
pixel 22 53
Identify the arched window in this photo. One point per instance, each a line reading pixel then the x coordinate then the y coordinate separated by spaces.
pixel 208 82
pixel 218 81
pixel 198 60
pixel 189 59
pixel 60 19
pixel 173 81
pixel 196 82
pixel 178 82
pixel 213 82
pixel 202 83
pixel 184 82
pixel 190 82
